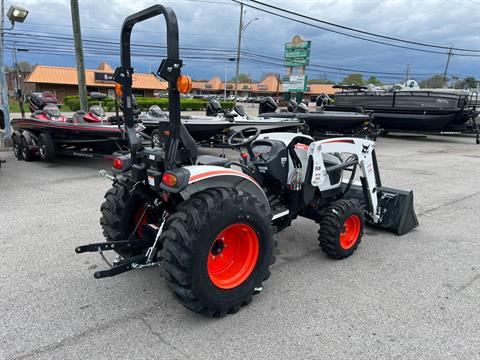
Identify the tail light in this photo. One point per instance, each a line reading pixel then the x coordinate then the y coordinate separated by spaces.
pixel 169 179
pixel 117 163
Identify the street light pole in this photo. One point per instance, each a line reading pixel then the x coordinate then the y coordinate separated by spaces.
pixel 15 14
pixel 239 44
pixel 241 29
pixel 3 81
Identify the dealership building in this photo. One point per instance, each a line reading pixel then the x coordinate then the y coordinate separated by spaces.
pixel 62 81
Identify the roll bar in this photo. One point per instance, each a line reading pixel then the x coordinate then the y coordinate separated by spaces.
pixel 169 70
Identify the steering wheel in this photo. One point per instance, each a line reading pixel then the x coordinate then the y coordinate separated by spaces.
pixel 243 137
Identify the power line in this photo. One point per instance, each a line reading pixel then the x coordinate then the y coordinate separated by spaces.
pixel 357 30
pixel 90 44
pixel 351 35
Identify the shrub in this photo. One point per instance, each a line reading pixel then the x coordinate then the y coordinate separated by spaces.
pixel 73 102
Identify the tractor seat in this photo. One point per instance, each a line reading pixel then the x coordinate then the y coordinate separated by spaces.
pixel 211 160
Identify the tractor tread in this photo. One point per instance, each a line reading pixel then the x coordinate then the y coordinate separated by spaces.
pixel 180 237
pixel 331 224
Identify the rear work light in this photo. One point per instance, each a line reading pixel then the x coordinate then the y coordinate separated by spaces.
pixel 184 84
pixel 117 163
pixel 118 90
pixel 169 179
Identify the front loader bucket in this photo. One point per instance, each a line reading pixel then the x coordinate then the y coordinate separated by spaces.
pixel 396 210
pixel 396 213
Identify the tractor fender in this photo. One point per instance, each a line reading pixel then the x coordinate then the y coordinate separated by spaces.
pixel 203 177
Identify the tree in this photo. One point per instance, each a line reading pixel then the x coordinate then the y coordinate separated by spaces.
pixel 433 82
pixel 374 81
pixel 353 79
pixel 24 66
pixel 471 82
pixel 242 78
pixel 271 73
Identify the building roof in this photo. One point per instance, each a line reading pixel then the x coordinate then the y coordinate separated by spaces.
pixel 105 67
pixel 68 76
pixel 268 85
pixel 321 88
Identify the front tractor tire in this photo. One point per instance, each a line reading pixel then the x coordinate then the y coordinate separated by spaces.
pixel 217 250
pixel 341 229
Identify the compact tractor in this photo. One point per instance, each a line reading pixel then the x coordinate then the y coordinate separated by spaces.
pixel 209 222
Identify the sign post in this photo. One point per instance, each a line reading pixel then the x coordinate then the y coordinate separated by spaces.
pixel 296 55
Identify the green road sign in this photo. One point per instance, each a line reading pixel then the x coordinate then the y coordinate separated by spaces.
pixel 297 62
pixel 298 45
pixel 297 53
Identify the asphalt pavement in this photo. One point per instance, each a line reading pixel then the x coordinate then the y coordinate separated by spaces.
pixel 411 297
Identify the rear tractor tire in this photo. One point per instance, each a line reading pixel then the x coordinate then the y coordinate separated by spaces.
pixel 121 211
pixel 341 229
pixel 47 147
pixel 217 250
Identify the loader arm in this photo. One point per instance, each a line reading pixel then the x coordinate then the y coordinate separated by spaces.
pixel 388 208
pixel 364 150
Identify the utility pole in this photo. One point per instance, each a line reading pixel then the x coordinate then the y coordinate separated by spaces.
pixel 407 74
pixel 18 88
pixel 239 44
pixel 77 37
pixel 446 66
pixel 3 80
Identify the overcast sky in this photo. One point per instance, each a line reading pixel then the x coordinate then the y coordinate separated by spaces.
pixel 213 24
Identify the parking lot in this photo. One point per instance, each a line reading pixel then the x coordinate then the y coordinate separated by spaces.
pixel 410 297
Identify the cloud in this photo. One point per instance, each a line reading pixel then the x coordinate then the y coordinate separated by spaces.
pixel 214 24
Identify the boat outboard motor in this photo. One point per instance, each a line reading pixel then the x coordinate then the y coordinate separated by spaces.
pixel 292 105
pixel 321 101
pixel 156 112
pixel 240 110
pixel 267 105
pixel 37 100
pixel 302 108
pixel 213 107
pixel 97 110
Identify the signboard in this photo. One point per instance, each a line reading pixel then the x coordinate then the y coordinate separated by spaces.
pixel 297 52
pixel 103 77
pixel 297 62
pixel 295 83
pixel 262 87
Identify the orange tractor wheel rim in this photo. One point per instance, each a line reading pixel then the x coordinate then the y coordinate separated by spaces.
pixel 350 232
pixel 233 256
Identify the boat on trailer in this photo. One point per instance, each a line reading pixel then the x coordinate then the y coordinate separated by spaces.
pixel 408 107
pixel 47 133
